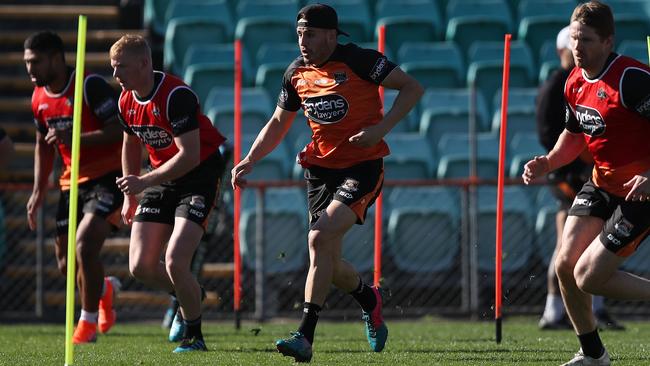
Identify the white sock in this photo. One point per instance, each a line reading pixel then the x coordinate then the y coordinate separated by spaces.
pixel 88 316
pixel 554 309
pixel 597 303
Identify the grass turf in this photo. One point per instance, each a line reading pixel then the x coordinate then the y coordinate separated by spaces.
pixel 428 341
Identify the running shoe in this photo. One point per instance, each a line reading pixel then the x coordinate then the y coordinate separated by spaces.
pixel 580 359
pixel 107 315
pixel 376 329
pixel 85 332
pixel 296 346
pixel 191 344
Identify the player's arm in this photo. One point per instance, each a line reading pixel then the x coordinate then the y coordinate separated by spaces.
pixel 131 166
pixel 102 101
pixel 43 162
pixel 410 91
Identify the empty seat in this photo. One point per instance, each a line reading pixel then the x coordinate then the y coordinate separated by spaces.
pixel 281 9
pixel 407 124
pixel 471 21
pixel 359 244
pixel 528 8
pixel 411 157
pixel 269 76
pixel 220 53
pixel 277 53
pixel 255 31
pixel 631 27
pixel 457 104
pixel 520 120
pixel 434 64
pixel 273 167
pixel 354 18
pixel 256 109
pixel 535 30
pixel 185 32
pixel 154 15
pixel 203 77
pixel 517 98
pixel 408 21
pixel 635 49
pixel 216 10
pixel 523 147
pixel 423 229
pixel 455 159
pixel 285 231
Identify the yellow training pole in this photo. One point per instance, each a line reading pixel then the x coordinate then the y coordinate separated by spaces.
pixel 74 178
pixel 648 40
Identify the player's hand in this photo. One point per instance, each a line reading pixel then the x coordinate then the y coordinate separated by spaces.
pixel 640 188
pixel 239 171
pixel 131 184
pixel 33 204
pixel 128 209
pixel 55 136
pixel 367 137
pixel 535 168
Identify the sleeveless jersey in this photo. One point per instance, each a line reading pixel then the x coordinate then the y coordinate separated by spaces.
pixel 616 134
pixel 339 99
pixel 56 111
pixel 150 121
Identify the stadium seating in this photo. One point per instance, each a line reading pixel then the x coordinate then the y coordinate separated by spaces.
pixel 269 76
pixel 257 30
pixel 638 262
pixel 217 10
pixel 535 30
pixel 273 167
pixel 354 18
pixel 408 21
pixel 154 15
pixel 285 231
pixel 523 147
pixel 184 32
pixel 518 235
pixel 285 10
pixel 423 228
pixel 631 27
pixel 203 77
pixel 256 109
pixel 277 53
pixel 407 124
pixel 452 104
pixel 471 21
pixel 521 119
pixel 527 8
pixel 221 53
pixel 435 64
pixel 545 233
pixel 635 49
pixel 517 98
pixel 411 157
pixel 453 150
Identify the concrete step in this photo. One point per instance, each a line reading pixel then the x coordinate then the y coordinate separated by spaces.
pixel 60 12
pixel 95 37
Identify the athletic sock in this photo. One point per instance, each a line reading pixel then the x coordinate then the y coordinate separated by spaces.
pixel 365 296
pixel 309 319
pixel 597 303
pixel 554 308
pixel 88 316
pixel 591 344
pixel 193 328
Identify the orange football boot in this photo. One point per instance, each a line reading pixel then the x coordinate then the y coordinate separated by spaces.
pixel 85 332
pixel 107 314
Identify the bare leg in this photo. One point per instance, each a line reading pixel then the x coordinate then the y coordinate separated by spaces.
pixel 91 233
pixel 147 242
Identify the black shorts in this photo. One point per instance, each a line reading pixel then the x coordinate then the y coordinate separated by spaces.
pixel 568 180
pixel 627 223
pixel 99 196
pixel 357 186
pixel 191 196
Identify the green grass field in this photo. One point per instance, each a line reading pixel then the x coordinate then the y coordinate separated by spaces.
pixel 426 341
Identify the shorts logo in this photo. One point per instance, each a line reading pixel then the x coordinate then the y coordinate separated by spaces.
pixel 154 136
pixel 147 210
pixel 614 240
pixel 350 185
pixel 623 228
pixel 198 202
pixel 196 213
pixel 378 69
pixel 345 194
pixel 106 198
pixel 582 202
pixel 326 109
pixel 591 122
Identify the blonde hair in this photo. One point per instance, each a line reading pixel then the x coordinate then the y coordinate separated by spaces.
pixel 131 44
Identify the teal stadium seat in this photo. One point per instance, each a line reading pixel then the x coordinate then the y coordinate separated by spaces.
pixel 408 21
pixel 523 147
pixel 285 10
pixel 635 49
pixel 638 262
pixel 423 228
pixel 485 69
pixel 433 64
pixel 220 53
pixel 354 18
pixel 535 30
pixel 518 235
pixel 528 8
pixel 411 157
pixel 548 61
pixel 154 15
pixel 631 20
pixel 388 52
pixel 481 20
pixel 521 119
pixel 185 32
pixel 285 230
pixel 258 30
pixel 269 76
pixel 453 150
pixel 273 167
pixel 517 98
pixel 277 53
pixel 449 110
pixel 203 77
pixel 256 109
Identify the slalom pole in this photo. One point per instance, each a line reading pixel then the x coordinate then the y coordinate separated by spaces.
pixel 237 192
pixel 502 162
pixel 74 187
pixel 648 41
pixel 379 204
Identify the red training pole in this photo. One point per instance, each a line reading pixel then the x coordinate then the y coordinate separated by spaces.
pixel 502 162
pixel 237 208
pixel 379 204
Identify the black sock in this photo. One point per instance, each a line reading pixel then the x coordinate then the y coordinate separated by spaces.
pixel 193 328
pixel 365 296
pixel 591 344
pixel 309 319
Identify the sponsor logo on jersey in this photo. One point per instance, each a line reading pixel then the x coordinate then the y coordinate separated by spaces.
pixel 154 136
pixel 326 109
pixel 340 77
pixel 324 82
pixel 130 112
pixel 60 123
pixel 68 102
pixel 601 94
pixel 155 111
pixel 378 69
pixel 42 107
pixel 591 122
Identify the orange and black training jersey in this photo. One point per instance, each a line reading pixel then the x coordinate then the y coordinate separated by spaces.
pixel 56 111
pixel 339 98
pixel 171 110
pixel 612 110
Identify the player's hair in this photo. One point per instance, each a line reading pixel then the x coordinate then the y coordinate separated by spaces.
pixel 596 15
pixel 45 41
pixel 132 44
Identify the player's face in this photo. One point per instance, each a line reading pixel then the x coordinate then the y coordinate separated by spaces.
pixel 589 51
pixel 315 44
pixel 39 67
pixel 127 70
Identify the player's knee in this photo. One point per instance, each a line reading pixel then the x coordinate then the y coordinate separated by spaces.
pixel 563 267
pixel 174 268
pixel 141 270
pixel 318 241
pixel 586 278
